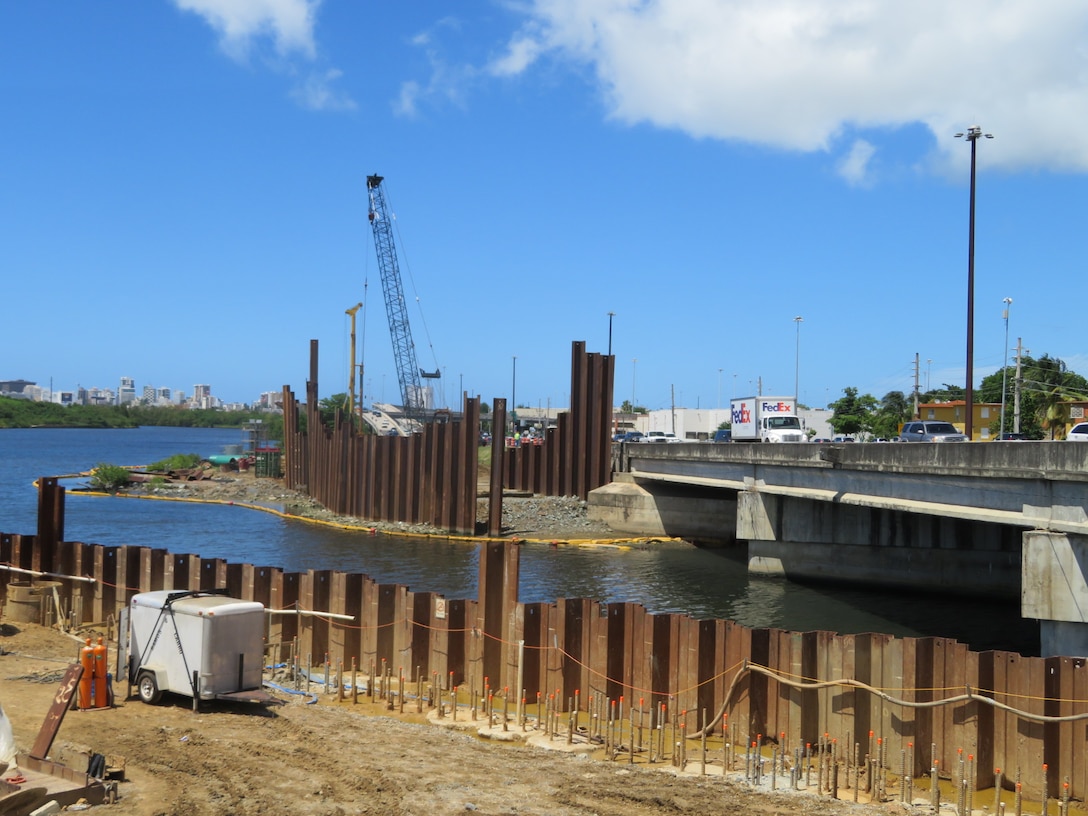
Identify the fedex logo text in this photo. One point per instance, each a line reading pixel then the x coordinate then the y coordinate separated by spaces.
pixel 741 414
pixel 776 408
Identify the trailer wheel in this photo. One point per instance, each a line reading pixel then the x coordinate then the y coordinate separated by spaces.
pixel 147 688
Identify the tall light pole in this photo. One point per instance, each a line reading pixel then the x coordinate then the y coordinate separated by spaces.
pixel 513 397
pixel 610 316
pixel 929 365
pixel 634 364
pixel 1004 364
pixel 972 135
pixel 797 366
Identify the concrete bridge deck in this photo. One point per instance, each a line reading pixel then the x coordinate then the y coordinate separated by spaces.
pixel 1005 519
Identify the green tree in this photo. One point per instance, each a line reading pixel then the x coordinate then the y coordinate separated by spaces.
pixel 1053 385
pixel 852 414
pixel 946 393
pixel 894 410
pixel 329 406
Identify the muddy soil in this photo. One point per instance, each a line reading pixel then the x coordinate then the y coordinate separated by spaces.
pixel 333 758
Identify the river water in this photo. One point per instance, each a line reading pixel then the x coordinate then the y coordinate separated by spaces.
pixel 661 577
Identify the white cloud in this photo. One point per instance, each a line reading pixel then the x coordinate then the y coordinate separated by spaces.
pixel 406 102
pixel 316 92
pixel 290 23
pixel 448 81
pixel 520 53
pixel 798 74
pixel 854 167
pixel 243 24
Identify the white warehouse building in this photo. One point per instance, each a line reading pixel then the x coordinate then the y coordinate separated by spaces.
pixel 695 424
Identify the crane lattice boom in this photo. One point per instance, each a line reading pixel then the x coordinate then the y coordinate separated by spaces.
pixel 404 350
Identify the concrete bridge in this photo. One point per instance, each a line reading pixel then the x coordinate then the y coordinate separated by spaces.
pixel 1006 519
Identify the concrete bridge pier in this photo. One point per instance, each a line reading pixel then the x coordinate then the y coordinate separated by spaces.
pixel 814 540
pixel 1054 589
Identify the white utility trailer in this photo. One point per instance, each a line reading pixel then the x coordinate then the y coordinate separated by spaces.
pixel 205 645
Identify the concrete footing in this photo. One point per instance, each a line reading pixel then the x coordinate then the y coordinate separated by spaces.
pixel 1055 582
pixel 707 515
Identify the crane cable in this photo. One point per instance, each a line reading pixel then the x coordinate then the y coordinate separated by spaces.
pixel 412 281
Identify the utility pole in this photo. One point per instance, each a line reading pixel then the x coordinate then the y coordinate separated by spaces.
pixel 672 394
pixel 973 134
pixel 1004 366
pixel 917 375
pixel 1017 383
pixel 351 366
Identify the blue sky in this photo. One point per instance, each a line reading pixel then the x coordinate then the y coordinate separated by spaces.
pixel 183 191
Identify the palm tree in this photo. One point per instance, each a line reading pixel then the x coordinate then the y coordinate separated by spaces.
pixel 1047 377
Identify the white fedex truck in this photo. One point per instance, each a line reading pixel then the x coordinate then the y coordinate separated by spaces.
pixel 766 419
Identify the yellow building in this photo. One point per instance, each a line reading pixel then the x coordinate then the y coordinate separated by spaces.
pixel 955 411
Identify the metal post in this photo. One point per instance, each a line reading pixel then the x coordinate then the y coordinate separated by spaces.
pixel 973 133
pixel 1004 365
pixel 1017 383
pixel 797 366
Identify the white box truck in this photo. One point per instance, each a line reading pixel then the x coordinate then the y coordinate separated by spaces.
pixel 202 644
pixel 766 419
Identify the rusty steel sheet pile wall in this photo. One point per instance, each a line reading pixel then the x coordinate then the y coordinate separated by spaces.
pixel 875 691
pixel 426 478
pixel 576 455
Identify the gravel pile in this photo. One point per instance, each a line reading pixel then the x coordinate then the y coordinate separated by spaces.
pixel 522 516
pixel 546 516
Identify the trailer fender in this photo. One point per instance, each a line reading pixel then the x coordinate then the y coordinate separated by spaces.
pixel 150 683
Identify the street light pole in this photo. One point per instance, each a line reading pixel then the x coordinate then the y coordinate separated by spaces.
pixel 1004 364
pixel 972 135
pixel 610 316
pixel 513 396
pixel 797 366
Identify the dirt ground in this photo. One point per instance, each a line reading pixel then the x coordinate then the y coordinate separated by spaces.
pixel 337 758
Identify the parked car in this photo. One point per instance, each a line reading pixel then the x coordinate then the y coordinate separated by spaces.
pixel 821 440
pixel 1010 437
pixel 633 436
pixel 930 431
pixel 1078 433
pixel 841 439
pixel 661 436
pixel 723 435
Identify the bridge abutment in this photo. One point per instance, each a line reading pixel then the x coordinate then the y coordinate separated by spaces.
pixel 707 515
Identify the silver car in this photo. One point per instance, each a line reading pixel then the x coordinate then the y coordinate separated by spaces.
pixel 930 432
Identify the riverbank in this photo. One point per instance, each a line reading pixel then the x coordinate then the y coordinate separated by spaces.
pixel 524 516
